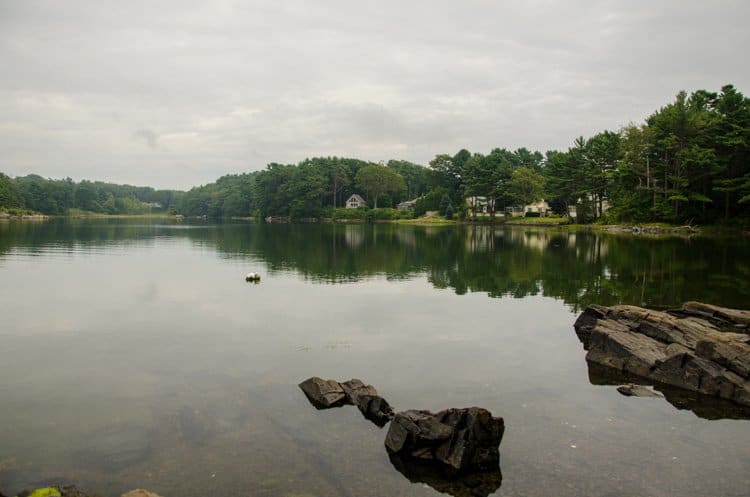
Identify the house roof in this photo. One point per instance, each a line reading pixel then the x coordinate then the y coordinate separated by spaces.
pixel 357 198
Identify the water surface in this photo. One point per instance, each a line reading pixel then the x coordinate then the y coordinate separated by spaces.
pixel 134 354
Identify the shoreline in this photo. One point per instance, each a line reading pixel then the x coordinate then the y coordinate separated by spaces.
pixel 640 229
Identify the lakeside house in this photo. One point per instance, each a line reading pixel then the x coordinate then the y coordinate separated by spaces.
pixel 483 206
pixel 540 207
pixel 355 201
pixel 407 205
pixel 478 204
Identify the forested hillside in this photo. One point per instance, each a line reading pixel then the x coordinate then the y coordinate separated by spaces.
pixel 687 162
pixel 58 197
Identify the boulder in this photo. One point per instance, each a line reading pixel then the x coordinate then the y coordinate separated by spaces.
pixel 700 347
pixel 462 440
pixel 324 394
pixel 375 408
pixel 354 388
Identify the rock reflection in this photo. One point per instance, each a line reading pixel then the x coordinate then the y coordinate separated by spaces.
pixel 477 484
pixel 701 405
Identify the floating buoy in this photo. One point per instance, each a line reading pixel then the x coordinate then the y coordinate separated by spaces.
pixel 252 277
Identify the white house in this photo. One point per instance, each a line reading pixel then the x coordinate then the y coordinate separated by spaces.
pixel 540 206
pixel 407 205
pixel 481 205
pixel 355 201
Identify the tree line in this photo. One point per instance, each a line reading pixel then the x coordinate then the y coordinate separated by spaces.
pixel 60 197
pixel 687 162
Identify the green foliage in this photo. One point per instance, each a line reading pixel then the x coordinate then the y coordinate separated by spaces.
pixel 375 180
pixel 525 186
pixel 9 197
pixel 445 202
pixel 416 177
pixel 688 162
pixel 58 197
pixel 367 214
pixel 430 202
pixel 449 211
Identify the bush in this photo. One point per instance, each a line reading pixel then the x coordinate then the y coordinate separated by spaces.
pixel 369 214
pixel 449 212
pixel 532 214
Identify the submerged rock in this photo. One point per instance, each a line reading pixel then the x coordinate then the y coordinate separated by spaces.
pixel 73 491
pixel 637 391
pixel 462 439
pixel 702 348
pixel 139 493
pixel 54 491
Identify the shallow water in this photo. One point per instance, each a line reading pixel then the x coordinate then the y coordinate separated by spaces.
pixel 134 354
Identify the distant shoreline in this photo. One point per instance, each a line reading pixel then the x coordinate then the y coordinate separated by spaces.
pixel 542 223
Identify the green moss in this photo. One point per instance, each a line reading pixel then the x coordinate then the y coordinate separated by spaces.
pixel 45 492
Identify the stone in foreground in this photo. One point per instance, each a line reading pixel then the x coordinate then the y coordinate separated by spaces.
pixel 463 440
pixel 700 347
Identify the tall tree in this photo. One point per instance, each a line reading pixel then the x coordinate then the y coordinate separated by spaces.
pixel 375 180
pixel 526 186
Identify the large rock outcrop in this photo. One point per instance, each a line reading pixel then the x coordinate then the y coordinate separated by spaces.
pixel 700 347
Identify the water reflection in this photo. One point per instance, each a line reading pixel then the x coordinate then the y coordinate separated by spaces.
pixel 702 406
pixel 135 354
pixel 478 484
pixel 578 268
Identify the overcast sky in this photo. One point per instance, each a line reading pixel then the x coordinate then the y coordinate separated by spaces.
pixel 177 93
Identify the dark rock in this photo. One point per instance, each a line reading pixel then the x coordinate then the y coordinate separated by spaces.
pixel 631 390
pixel 354 388
pixel 375 408
pixel 461 439
pixel 700 347
pixel 473 484
pixel 323 394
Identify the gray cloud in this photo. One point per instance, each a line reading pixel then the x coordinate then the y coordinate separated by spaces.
pixel 148 136
pixel 231 86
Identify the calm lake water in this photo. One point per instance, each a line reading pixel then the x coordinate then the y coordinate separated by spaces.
pixel 134 354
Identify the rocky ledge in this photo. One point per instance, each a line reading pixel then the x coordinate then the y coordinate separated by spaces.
pixel 700 347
